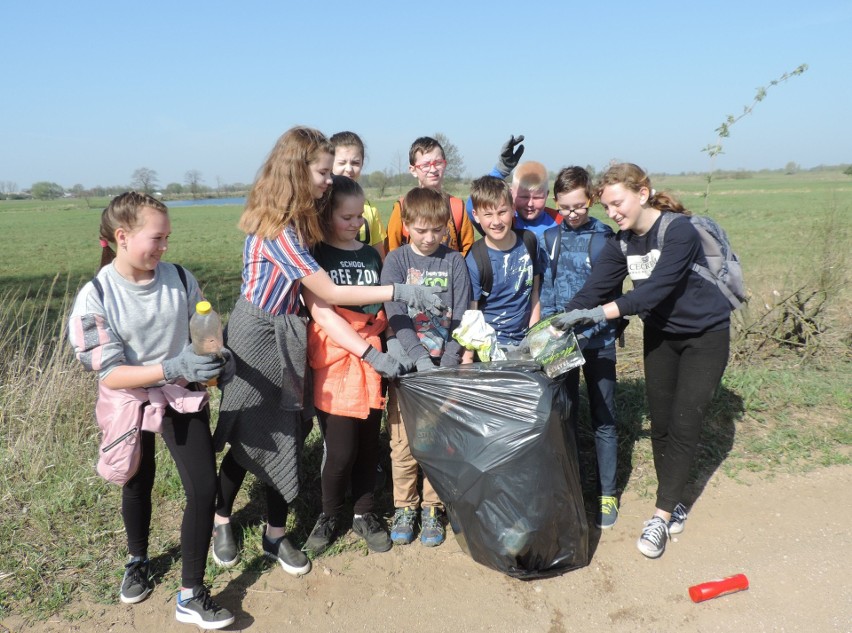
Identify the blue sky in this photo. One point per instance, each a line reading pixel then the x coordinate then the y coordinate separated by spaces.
pixel 93 90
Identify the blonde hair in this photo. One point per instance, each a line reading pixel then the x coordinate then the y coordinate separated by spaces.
pixel 530 175
pixel 282 194
pixel 124 211
pixel 632 177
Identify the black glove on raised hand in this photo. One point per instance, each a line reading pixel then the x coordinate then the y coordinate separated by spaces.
pixel 420 298
pixel 192 367
pixel 509 156
pixel 384 364
pixel 568 320
pixel 424 363
pixel 229 368
pixel 395 349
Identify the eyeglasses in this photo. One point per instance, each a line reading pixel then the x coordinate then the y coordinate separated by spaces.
pixel 437 164
pixel 578 212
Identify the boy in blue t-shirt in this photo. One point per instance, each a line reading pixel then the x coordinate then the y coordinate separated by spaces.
pixel 568 253
pixel 512 304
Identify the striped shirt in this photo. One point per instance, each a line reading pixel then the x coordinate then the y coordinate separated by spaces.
pixel 272 270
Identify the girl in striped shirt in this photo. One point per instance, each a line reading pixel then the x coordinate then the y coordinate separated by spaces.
pixel 262 408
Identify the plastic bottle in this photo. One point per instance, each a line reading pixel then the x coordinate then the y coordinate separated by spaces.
pixel 205 329
pixel 716 588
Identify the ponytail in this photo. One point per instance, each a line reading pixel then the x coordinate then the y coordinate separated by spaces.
pixel 666 202
pixel 107 254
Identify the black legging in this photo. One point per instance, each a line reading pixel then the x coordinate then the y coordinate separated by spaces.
pixel 682 373
pixel 351 454
pixel 231 476
pixel 188 439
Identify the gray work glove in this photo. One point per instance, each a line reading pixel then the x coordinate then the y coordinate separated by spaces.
pixel 229 368
pixel 192 367
pixel 395 349
pixel 568 320
pixel 509 156
pixel 384 364
pixel 420 298
pixel 424 363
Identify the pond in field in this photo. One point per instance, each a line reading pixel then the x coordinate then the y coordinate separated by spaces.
pixel 205 202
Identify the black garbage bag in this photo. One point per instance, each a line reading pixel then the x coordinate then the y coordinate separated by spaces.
pixel 491 440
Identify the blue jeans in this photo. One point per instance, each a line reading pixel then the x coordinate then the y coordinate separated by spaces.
pixel 599 372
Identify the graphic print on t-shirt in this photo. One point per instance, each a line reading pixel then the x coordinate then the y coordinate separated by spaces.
pixel 640 267
pixel 432 330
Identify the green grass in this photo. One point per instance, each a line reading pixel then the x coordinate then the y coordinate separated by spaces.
pixel 778 409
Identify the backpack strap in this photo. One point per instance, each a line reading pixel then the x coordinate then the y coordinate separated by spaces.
pixel 596 244
pixel 457 210
pixel 479 252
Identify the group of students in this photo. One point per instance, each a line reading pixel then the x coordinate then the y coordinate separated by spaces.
pixel 333 308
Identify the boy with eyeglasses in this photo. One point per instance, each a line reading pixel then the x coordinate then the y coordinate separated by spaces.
pixel 568 252
pixel 428 164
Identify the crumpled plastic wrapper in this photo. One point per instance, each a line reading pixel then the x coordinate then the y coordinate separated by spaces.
pixel 475 334
pixel 557 351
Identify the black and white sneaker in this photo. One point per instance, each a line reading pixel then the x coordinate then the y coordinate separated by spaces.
pixel 652 543
pixel 678 519
pixel 225 551
pixel 202 611
pixel 373 531
pixel 292 560
pixel 135 586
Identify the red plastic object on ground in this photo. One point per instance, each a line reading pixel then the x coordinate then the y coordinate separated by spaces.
pixel 716 588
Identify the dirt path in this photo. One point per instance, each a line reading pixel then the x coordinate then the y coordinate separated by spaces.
pixel 789 535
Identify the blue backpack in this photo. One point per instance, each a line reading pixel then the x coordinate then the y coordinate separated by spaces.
pixel 723 265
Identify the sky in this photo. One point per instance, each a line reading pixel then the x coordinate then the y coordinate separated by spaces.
pixel 91 91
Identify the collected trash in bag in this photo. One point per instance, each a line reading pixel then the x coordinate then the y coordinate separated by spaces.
pixel 490 437
pixel 475 334
pixel 555 350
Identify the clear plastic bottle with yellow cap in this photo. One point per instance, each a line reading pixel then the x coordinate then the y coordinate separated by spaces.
pixel 205 329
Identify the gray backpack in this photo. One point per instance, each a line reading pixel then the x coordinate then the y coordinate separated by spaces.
pixel 723 265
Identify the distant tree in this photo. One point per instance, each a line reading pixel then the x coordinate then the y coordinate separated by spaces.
pixel 791 168
pixel 174 188
pixel 848 171
pixel 192 178
pixel 8 187
pixel 144 180
pixel 78 190
pixel 46 190
pixel 455 161
pixel 379 180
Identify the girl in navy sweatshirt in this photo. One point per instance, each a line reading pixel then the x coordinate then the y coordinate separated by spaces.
pixel 686 333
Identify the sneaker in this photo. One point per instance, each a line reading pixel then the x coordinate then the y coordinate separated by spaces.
pixel 608 512
pixel 652 543
pixel 402 528
pixel 225 551
pixel 323 535
pixel 135 586
pixel 431 527
pixel 369 528
pixel 292 560
pixel 678 519
pixel 202 611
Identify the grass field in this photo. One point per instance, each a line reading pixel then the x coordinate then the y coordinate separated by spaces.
pixel 784 402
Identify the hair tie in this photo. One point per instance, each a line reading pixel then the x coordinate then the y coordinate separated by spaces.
pixel 104 243
pixel 653 192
